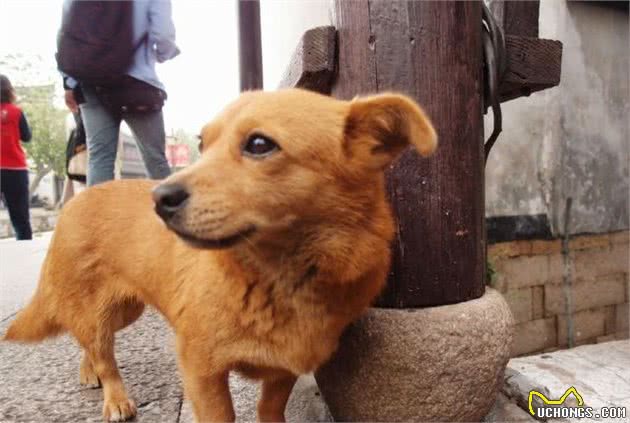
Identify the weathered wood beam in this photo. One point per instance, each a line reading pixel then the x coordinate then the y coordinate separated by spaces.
pixel 517 17
pixel 533 64
pixel 312 65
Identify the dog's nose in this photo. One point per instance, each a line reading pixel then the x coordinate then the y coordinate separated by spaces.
pixel 169 198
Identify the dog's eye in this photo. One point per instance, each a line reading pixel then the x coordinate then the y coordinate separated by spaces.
pixel 258 147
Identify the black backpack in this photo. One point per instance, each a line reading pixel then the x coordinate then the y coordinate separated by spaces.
pixel 95 43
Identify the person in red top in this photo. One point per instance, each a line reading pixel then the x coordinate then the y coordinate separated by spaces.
pixel 13 167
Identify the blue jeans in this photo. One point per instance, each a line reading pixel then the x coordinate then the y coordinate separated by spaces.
pixel 102 131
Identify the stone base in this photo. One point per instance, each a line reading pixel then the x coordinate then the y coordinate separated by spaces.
pixel 433 364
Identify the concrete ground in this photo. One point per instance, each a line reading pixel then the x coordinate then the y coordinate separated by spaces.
pixel 39 383
pixel 600 373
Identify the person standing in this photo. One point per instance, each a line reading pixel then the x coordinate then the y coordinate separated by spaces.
pixel 117 82
pixel 13 166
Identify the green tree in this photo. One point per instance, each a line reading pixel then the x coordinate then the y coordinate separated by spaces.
pixel 47 149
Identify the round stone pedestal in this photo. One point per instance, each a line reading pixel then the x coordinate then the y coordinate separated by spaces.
pixel 432 364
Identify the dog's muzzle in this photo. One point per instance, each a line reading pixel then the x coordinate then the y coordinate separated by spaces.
pixel 169 199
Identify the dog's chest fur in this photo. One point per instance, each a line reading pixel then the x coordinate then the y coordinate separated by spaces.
pixel 289 321
pixel 282 308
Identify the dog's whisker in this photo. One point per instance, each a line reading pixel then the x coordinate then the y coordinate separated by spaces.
pixel 249 241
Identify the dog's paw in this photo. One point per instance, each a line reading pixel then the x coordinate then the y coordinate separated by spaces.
pixel 87 375
pixel 119 411
pixel 88 378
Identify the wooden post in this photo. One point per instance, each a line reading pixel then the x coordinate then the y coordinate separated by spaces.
pixel 431 51
pixel 249 45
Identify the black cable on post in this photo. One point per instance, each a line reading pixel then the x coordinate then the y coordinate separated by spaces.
pixel 495 64
pixel 249 45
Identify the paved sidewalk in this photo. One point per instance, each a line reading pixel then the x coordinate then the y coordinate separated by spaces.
pixel 599 372
pixel 20 262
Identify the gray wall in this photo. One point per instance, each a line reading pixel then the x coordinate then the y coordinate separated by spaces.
pixel 572 140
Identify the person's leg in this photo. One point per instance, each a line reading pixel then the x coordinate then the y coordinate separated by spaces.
pixel 15 190
pixel 101 130
pixel 148 130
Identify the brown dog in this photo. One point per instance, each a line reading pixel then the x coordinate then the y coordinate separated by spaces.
pixel 279 237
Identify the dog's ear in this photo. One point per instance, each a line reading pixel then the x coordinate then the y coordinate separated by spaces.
pixel 378 128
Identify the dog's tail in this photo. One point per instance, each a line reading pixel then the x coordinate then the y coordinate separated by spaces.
pixel 35 322
pixel 32 323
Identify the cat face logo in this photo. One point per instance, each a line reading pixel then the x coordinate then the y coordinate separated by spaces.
pixel 547 401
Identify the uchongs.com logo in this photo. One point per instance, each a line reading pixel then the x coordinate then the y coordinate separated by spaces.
pixel 555 409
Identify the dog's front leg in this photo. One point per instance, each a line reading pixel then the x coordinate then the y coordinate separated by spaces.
pixel 274 397
pixel 205 385
pixel 210 396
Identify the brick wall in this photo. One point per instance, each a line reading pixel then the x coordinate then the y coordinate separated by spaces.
pixel 530 276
